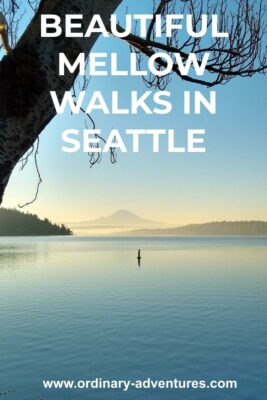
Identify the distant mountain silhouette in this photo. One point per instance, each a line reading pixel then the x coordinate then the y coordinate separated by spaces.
pixel 16 223
pixel 257 228
pixel 120 218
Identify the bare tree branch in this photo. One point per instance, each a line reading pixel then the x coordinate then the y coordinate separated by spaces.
pixel 24 162
pixel 242 53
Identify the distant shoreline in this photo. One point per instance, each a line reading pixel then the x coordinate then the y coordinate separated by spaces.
pixel 224 228
pixel 127 236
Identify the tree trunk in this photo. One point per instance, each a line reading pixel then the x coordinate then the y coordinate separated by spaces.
pixel 29 73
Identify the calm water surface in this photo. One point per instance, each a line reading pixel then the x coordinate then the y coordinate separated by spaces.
pixel 81 308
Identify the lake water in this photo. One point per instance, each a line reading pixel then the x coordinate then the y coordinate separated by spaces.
pixel 81 308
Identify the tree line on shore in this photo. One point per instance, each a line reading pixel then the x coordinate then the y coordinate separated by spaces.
pixel 16 223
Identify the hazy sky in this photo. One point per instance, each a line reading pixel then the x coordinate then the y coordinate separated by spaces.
pixel 227 182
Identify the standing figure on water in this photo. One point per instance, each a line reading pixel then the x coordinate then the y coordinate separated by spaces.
pixel 139 257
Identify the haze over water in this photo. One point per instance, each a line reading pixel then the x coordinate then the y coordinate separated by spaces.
pixel 81 308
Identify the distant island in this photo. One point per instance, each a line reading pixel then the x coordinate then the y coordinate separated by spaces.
pixel 238 228
pixel 16 223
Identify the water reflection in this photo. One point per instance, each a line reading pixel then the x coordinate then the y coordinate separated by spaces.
pixel 12 255
pixel 81 308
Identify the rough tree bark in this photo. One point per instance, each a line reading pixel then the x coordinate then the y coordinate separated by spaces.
pixel 29 73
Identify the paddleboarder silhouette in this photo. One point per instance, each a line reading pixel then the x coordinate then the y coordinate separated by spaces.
pixel 139 257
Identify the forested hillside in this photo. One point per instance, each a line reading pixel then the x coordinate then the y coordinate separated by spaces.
pixel 252 228
pixel 16 223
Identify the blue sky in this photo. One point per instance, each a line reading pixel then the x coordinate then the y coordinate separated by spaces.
pixel 228 182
